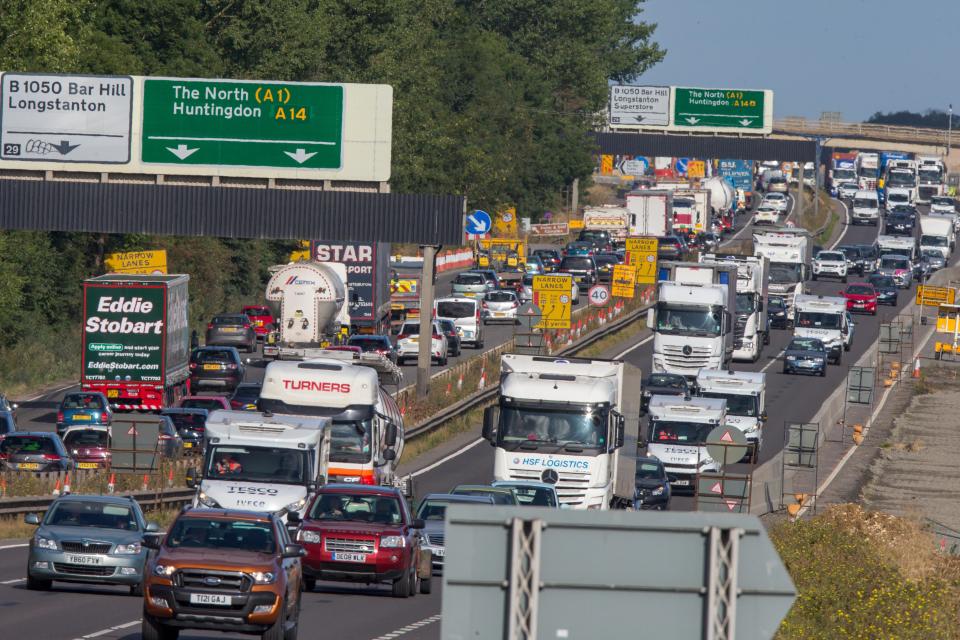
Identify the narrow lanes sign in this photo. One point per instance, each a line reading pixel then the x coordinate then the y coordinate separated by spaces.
pixel 242 123
pixel 718 108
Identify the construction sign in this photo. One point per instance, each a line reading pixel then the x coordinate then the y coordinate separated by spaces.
pixel 302 252
pixel 552 295
pixel 575 225
pixel 624 281
pixel 935 296
pixel 696 169
pixel 606 165
pixel 140 262
pixel 505 222
pixel 642 256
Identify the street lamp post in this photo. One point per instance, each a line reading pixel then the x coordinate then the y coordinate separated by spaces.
pixel 949 126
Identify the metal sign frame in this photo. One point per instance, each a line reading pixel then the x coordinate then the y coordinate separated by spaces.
pixel 800 452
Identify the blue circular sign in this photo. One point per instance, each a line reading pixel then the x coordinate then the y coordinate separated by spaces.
pixel 478 223
pixel 681 165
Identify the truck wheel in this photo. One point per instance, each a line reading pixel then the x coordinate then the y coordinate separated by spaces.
pixel 814 277
pixel 151 629
pixel 401 587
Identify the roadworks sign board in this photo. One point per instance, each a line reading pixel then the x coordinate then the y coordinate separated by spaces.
pixel 141 262
pixel 642 256
pixel 552 295
pixel 624 281
pixel 935 296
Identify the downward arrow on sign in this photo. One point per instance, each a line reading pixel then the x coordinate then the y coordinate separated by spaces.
pixel 300 155
pixel 181 151
pixel 479 225
pixel 745 122
pixel 693 120
pixel 65 147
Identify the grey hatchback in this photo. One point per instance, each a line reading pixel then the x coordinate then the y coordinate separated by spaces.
pixel 89 539
pixel 232 330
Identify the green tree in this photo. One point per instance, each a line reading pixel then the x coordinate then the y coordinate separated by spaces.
pixel 41 35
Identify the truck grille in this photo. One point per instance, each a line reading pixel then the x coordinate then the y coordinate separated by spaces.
pixel 348 545
pixel 571 487
pixel 209 580
pixel 699 357
pixel 91 547
pixel 436 539
pixel 83 569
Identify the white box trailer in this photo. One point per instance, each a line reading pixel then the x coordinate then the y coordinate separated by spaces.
pixel 651 212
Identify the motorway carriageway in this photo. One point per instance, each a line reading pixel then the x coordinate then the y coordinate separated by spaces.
pixel 368 613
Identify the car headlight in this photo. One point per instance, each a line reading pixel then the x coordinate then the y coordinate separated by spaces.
pixel 791 358
pixel 263 577
pixel 207 501
pixel 818 360
pixel 780 314
pixel 163 570
pixel 310 537
pixel 296 506
pixel 133 548
pixel 657 492
pixel 46 543
pixel 392 542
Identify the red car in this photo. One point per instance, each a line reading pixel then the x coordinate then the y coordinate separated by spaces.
pixel 89 446
pixel 363 534
pixel 861 297
pixel 210 403
pixel 260 318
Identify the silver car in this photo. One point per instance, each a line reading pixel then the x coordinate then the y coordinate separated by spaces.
pixel 897 267
pixel 432 510
pixel 89 539
pixel 470 285
pixel 500 306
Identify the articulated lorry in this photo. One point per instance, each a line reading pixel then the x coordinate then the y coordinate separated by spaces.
pixel 691 211
pixel 930 175
pixel 790 254
pixel 692 320
pixel 677 436
pixel 367 266
pixel 868 170
pixel 570 422
pixel 651 213
pixel 136 339
pixel 751 331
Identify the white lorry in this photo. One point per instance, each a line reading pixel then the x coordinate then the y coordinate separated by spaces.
pixel 745 393
pixel 936 232
pixel 789 252
pixel 691 210
pixel 307 298
pixel 751 330
pixel 866 207
pixel 651 212
pixel 679 427
pixel 570 422
pixel 901 175
pixel 366 433
pixel 692 321
pixel 612 219
pixel 824 318
pixel 930 176
pixel 261 462
pixel 868 169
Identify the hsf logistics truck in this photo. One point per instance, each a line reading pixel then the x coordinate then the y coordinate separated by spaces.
pixel 751 330
pixel 136 339
pixel 570 422
pixel 692 320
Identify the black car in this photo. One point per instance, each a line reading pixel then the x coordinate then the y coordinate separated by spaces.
pixel 663 384
pixel 669 248
pixel 191 424
pixel 219 367
pixel 651 485
pixel 886 288
pixel 550 257
pixel 856 262
pixel 805 355
pixel 34 451
pixel 777 313
pixel 582 268
pixel 246 396
pixel 898 224
pixel 599 239
pixel 370 343
pixel 605 263
pixel 449 328
pixel 907 209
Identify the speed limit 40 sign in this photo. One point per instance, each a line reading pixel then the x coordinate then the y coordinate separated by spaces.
pixel 599 295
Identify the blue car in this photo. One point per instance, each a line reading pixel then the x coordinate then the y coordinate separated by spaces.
pixel 652 486
pixel 83 408
pixel 886 288
pixel 805 355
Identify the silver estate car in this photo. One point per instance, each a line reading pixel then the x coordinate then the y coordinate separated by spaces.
pixel 89 539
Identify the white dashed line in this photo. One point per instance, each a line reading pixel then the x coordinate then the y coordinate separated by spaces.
pixel 410 627
pixel 103 632
pixel 447 458
pixel 15 546
pixel 14 581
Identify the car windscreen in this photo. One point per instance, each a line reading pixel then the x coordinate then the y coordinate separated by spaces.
pixel 667 381
pixel 533 496
pixel 219 356
pixel 831 256
pixel 257 464
pixel 210 404
pixel 469 279
pixel 576 264
pixel 648 471
pixel 86 438
pixel 432 510
pixel 27 445
pixel 500 296
pixel 357 507
pixel 222 533
pixel 805 344
pixel 860 290
pixel 882 281
pixel 188 420
pixel 410 329
pixel 893 262
pixel 101 515
pixel 864 203
pixel 451 309
pixel 247 393
pixel 82 401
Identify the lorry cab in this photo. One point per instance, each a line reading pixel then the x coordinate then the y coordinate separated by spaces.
pixel 260 462
pixel 366 432
pixel 746 395
pixel 677 436
pixel 824 318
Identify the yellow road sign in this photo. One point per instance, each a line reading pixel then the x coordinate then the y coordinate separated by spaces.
pixel 142 262
pixel 624 281
pixel 935 296
pixel 696 169
pixel 575 225
pixel 606 165
pixel 642 256
pixel 506 222
pixel 552 295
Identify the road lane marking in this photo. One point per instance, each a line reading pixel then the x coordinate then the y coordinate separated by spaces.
pixel 103 632
pixel 846 213
pixel 15 546
pixel 448 458
pixel 49 393
pixel 410 627
pixel 14 581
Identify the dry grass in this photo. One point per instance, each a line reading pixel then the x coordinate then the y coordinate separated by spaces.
pixel 627 332
pixel 600 194
pixel 413 449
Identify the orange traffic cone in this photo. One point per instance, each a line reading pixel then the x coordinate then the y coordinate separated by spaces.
pixel 146 481
pixel 112 483
pixel 66 484
pixel 56 489
pixel 916 368
pixel 170 477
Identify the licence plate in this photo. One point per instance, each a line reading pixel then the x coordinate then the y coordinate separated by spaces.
pixel 350 557
pixel 681 483
pixel 414 340
pixel 72 559
pixel 28 465
pixel 211 598
pixel 499 314
pixel 187 445
pixel 87 465
pixel 82 417
pixel 230 330
pixel 113 393
pixel 211 367
pixel 438 552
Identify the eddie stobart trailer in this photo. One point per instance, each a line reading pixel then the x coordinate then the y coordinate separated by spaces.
pixel 136 343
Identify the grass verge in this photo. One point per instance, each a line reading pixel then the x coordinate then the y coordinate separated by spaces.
pixel 50 355
pixel 451 428
pixel 600 346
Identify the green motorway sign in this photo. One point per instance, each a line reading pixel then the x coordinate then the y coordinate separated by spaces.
pixel 718 108
pixel 242 123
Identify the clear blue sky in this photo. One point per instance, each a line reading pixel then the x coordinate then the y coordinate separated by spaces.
pixel 858 56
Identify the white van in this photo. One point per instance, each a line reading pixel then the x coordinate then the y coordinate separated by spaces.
pixel 465 314
pixel 866 208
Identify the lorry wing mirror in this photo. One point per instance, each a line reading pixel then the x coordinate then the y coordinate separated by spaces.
pixel 619 429
pixel 417 524
pixel 389 454
pixel 491 416
pixel 763 417
pixel 390 437
pixel 191 478
pixel 651 318
pixel 293 518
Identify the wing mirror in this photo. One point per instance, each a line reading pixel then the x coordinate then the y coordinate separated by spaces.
pixel 491 415
pixel 389 454
pixel 31 518
pixel 293 551
pixel 390 437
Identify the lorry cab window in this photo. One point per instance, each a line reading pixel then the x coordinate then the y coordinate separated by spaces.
pixel 818 320
pixel 680 432
pixel 746 303
pixel 933 241
pixel 259 464
pixel 537 426
pixel 737 404
pixel 692 321
pixel 350 441
pixel 782 273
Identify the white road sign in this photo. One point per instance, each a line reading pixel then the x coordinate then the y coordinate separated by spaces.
pixel 598 295
pixel 639 106
pixel 65 118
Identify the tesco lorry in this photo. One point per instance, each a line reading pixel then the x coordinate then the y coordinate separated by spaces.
pixel 692 321
pixel 745 393
pixel 570 422
pixel 136 339
pixel 651 212
pixel 789 252
pixel 751 330
pixel 679 426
